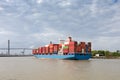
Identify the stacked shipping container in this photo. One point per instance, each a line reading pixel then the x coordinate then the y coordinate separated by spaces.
pixel 55 48
pixel 83 47
pixel 89 46
pixel 65 49
pixel 51 48
pixel 70 48
pixel 47 49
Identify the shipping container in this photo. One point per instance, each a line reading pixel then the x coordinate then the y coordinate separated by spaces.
pixel 66 46
pixel 89 49
pixel 51 50
pixel 36 51
pixel 55 48
pixel 59 46
pixel 66 50
pixel 83 50
pixel 89 46
pixel 72 49
pixel 44 50
pixel 39 50
pixel 33 51
pixel 47 49
pixel 86 48
pixel 73 43
pixel 79 48
pixel 83 45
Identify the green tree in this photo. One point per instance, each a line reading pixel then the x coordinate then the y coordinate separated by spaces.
pixel 107 53
pixel 94 52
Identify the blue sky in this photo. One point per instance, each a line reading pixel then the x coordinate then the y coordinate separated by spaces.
pixel 33 23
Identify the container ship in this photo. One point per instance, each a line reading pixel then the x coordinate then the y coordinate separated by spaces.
pixel 66 49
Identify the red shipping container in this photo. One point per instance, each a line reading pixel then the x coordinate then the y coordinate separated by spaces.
pixel 79 48
pixel 51 50
pixel 60 46
pixel 89 49
pixel 83 47
pixel 82 44
pixel 89 44
pixel 47 50
pixel 33 51
pixel 51 45
pixel 36 51
pixel 44 50
pixel 73 42
pixel 72 49
pixel 55 47
pixel 65 50
pixel 83 51
pixel 39 50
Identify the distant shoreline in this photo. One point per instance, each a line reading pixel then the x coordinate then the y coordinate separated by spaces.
pixel 15 55
pixel 103 57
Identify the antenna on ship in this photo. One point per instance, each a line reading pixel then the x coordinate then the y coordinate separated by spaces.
pixel 69 39
pixel 50 42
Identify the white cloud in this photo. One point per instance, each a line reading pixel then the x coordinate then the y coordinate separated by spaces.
pixel 33 46
pixel 39 1
pixel 93 8
pixel 6 35
pixel 48 32
pixel 48 35
pixel 1 8
pixel 9 0
pixel 65 3
pixel 3 33
pixel 106 43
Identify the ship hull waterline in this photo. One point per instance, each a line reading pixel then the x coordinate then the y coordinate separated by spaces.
pixel 76 56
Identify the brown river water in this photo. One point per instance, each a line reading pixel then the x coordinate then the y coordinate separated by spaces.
pixel 30 68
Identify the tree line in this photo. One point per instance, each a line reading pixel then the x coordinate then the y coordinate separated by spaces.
pixel 106 53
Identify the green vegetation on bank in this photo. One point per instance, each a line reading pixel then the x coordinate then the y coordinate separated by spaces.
pixel 107 54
